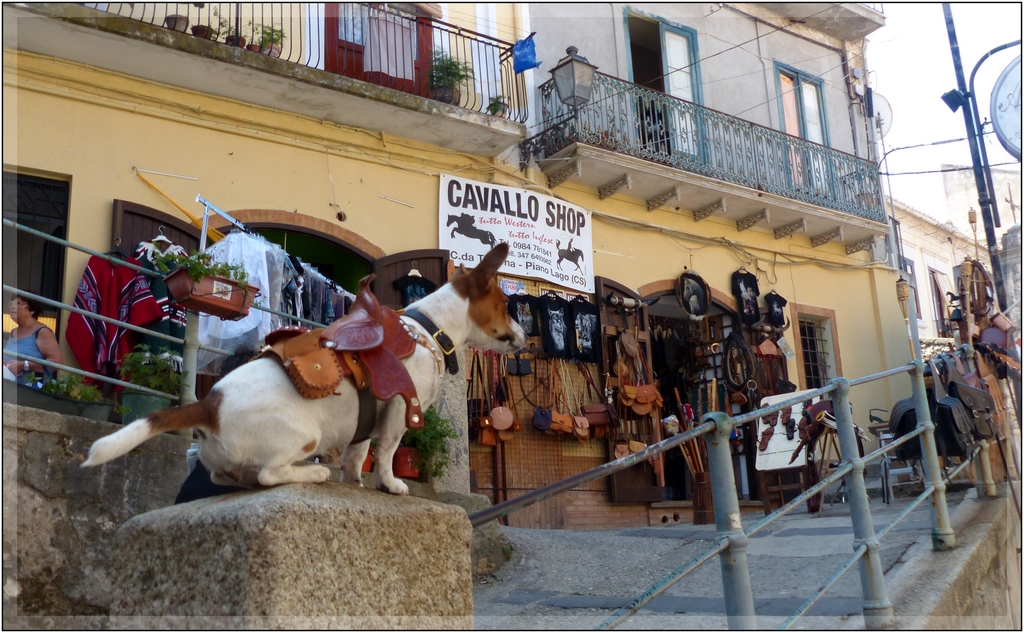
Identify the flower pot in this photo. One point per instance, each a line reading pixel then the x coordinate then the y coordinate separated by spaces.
pixel 447 95
pixel 26 396
pixel 368 462
pixel 253 47
pixel 274 50
pixel 234 40
pixel 406 463
pixel 140 405
pixel 176 23
pixel 217 296
pixel 205 32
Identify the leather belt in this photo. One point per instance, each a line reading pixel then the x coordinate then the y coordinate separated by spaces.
pixel 444 342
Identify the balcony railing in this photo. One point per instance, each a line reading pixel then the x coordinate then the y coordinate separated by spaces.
pixel 652 125
pixel 382 46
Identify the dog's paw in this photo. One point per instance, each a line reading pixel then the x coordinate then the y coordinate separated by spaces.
pixel 319 474
pixel 394 486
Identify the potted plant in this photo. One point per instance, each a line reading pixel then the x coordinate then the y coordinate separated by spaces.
pixel 497 106
pixel 154 371
pixel 68 396
pixel 198 283
pixel 446 76
pixel 425 450
pixel 231 38
pixel 209 31
pixel 270 40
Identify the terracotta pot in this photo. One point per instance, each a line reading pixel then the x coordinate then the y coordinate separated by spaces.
pixel 217 296
pixel 406 463
pixel 204 32
pixel 448 95
pixel 233 40
pixel 368 462
pixel 253 47
pixel 274 50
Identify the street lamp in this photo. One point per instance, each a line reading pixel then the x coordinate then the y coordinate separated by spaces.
pixel 574 78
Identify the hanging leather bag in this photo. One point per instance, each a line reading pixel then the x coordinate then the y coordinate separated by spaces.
pixel 952 421
pixel 560 422
pixel 981 406
pixel 602 413
pixel 542 415
pixel 501 415
pixel 580 424
pixel 487 435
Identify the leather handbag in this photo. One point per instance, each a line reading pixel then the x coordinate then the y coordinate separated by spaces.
pixel 952 421
pixel 501 416
pixel 483 419
pixel 601 413
pixel 580 424
pixel 518 366
pixel 542 415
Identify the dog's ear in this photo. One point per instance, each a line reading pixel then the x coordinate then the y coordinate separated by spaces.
pixel 492 261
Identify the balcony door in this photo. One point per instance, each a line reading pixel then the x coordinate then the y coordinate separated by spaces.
pixel 378 45
pixel 802 114
pixel 663 60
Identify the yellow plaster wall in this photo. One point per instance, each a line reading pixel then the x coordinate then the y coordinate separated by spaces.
pixel 248 157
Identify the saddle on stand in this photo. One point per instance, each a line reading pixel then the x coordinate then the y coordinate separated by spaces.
pixel 367 346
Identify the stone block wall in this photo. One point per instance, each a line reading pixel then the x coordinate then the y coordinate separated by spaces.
pixel 60 520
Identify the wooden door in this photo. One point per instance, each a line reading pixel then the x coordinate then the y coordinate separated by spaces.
pixel 134 223
pixel 432 263
pixel 638 483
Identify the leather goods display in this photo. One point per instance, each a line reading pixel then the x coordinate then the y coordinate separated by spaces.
pixel 580 424
pixel 994 336
pixel 560 422
pixel 981 406
pixel 367 345
pixel 602 413
pixel 501 415
pixel 481 417
pixel 952 418
pixel 519 366
pixel 903 420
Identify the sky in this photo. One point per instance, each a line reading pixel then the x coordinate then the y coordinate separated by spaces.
pixel 910 64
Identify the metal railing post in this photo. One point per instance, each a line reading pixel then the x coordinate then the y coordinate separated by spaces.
pixel 986 485
pixel 739 596
pixel 189 358
pixel 943 537
pixel 878 612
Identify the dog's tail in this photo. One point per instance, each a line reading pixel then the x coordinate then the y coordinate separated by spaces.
pixel 201 414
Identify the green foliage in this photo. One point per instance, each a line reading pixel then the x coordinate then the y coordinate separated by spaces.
pixel 431 442
pixel 228 27
pixel 155 371
pixel 497 106
pixel 201 265
pixel 448 72
pixel 270 35
pixel 70 387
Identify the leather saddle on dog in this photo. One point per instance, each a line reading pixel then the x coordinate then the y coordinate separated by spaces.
pixel 366 346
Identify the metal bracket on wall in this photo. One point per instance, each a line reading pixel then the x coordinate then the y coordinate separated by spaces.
pixel 826 237
pixel 609 190
pixel 745 223
pixel 657 201
pixel 559 177
pixel 862 245
pixel 700 214
pixel 791 228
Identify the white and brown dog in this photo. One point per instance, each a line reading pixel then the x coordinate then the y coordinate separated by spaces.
pixel 256 427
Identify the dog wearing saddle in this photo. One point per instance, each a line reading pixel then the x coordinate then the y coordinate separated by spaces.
pixel 255 427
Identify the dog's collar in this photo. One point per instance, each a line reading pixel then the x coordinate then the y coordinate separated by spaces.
pixel 444 342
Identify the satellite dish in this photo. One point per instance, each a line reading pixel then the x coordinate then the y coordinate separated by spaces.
pixel 882 113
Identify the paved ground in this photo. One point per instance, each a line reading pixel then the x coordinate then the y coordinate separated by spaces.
pixel 561 579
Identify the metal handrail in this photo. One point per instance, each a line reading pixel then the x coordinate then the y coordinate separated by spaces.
pixel 89 374
pixel 732 538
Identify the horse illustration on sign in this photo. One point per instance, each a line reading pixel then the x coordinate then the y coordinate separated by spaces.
pixel 465 224
pixel 568 253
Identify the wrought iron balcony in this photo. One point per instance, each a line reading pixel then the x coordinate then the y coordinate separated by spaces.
pixel 410 52
pixel 644 123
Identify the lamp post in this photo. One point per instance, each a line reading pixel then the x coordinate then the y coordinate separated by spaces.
pixel 574 82
pixel 966 99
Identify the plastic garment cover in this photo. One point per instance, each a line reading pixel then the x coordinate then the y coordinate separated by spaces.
pixel 263 261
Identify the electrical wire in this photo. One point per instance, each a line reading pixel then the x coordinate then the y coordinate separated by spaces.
pixel 939 171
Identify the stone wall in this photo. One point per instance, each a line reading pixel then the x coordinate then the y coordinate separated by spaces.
pixel 60 520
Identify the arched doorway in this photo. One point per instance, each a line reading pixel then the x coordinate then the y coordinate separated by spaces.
pixel 688 359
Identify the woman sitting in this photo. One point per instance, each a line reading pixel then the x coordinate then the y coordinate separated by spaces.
pixel 30 338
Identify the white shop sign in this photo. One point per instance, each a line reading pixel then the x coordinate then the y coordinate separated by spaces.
pixel 548 238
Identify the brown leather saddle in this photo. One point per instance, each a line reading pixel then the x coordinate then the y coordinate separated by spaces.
pixel 367 346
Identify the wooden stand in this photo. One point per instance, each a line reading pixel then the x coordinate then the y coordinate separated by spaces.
pixel 773 490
